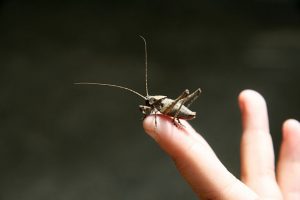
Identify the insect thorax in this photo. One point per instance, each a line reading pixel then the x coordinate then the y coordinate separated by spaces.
pixel 155 100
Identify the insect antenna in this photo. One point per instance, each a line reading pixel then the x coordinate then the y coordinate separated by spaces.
pixel 146 66
pixel 112 85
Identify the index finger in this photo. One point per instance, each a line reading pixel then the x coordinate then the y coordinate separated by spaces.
pixel 196 161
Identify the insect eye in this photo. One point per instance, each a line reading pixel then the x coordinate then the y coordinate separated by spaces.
pixel 151 101
pixel 147 103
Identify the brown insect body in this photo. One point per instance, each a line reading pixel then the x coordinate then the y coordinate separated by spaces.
pixel 177 109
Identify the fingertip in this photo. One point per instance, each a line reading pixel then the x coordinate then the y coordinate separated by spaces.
pixel 254 110
pixel 148 123
pixel 168 135
pixel 250 97
pixel 290 129
pixel 291 123
pixel 149 126
pixel 159 126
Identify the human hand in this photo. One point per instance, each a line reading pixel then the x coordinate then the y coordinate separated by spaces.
pixel 208 177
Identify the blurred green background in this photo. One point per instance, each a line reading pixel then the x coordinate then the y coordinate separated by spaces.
pixel 61 141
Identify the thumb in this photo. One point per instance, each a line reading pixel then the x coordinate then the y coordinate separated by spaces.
pixel 195 160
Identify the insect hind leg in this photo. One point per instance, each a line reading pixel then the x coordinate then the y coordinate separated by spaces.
pixel 178 123
pixel 170 107
pixel 192 97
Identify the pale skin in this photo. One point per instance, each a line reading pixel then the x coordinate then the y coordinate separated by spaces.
pixel 260 179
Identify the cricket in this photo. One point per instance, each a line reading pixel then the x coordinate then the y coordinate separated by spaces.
pixel 159 104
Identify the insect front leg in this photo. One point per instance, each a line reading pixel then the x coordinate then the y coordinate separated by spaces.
pixel 155 121
pixel 147 110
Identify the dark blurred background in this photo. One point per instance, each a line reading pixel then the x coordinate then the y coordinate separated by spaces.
pixel 61 141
